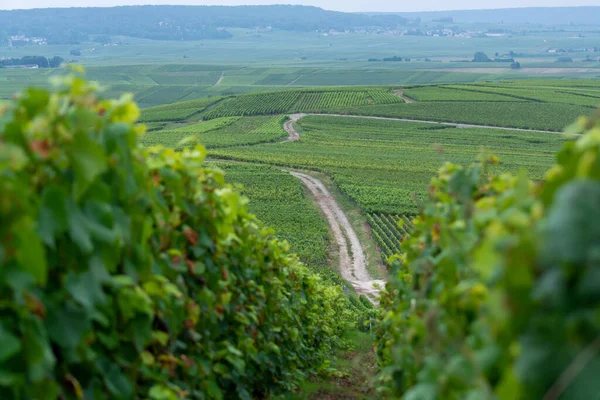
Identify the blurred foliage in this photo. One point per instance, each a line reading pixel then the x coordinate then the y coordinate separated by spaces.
pixel 131 272
pixel 497 292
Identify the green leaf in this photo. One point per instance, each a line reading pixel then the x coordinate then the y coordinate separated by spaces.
pixel 571 231
pixel 423 391
pixel 78 229
pixel 86 288
pixel 88 160
pixel 30 252
pixel 162 392
pixel 116 380
pixel 46 390
pixel 508 388
pixel 53 218
pixel 213 389
pixel 9 344
pixel 67 326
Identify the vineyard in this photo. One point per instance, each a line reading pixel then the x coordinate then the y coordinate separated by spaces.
pixel 123 264
pixel 550 107
pixel 455 93
pixel 177 111
pixel 389 230
pixel 495 295
pixel 220 132
pixel 514 114
pixel 254 104
pixel 131 269
pixel 278 200
pixel 383 165
pixel 301 101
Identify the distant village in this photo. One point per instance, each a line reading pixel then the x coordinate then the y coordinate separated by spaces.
pixel 22 40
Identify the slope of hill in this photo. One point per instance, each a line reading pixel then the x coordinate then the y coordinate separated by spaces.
pixel 525 15
pixel 178 22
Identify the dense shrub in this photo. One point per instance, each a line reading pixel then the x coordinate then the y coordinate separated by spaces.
pixel 128 272
pixel 497 293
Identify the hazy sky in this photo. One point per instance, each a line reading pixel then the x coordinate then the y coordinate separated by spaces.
pixel 341 5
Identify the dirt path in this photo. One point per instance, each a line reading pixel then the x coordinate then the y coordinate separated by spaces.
pixel 353 266
pixel 453 124
pixel 220 79
pixel 289 127
pixel 295 80
pixel 400 93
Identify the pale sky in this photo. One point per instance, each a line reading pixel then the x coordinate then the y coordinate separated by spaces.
pixel 339 5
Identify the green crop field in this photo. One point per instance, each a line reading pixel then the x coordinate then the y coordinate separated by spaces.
pixel 280 202
pixel 220 132
pixel 303 188
pixel 381 164
pixel 384 165
pixel 389 230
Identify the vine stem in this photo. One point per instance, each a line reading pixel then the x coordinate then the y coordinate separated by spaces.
pixel 576 366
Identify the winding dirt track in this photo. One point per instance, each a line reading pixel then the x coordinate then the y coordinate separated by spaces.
pixel 293 135
pixel 289 127
pixel 353 266
pixel 400 93
pixel 218 83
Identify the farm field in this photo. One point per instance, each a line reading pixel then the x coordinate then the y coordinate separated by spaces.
pixel 540 107
pixel 381 163
pixel 279 201
pixel 155 84
pixel 384 165
pixel 220 132
pixel 287 202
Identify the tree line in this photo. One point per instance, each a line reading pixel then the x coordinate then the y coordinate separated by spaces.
pixel 178 22
pixel 40 61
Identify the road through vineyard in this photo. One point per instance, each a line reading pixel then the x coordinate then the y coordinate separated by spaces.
pixel 293 134
pixel 352 267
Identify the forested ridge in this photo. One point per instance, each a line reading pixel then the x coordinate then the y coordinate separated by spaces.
pixel 73 25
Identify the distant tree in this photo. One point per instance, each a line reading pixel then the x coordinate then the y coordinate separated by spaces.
pixel 480 56
pixel 564 59
pixel 102 39
pixel 40 61
pixel 55 61
pixel 393 59
pixel 515 65
pixel 496 54
pixel 75 52
pixel 373 59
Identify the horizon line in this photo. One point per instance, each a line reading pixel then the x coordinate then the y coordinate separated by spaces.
pixel 302 5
